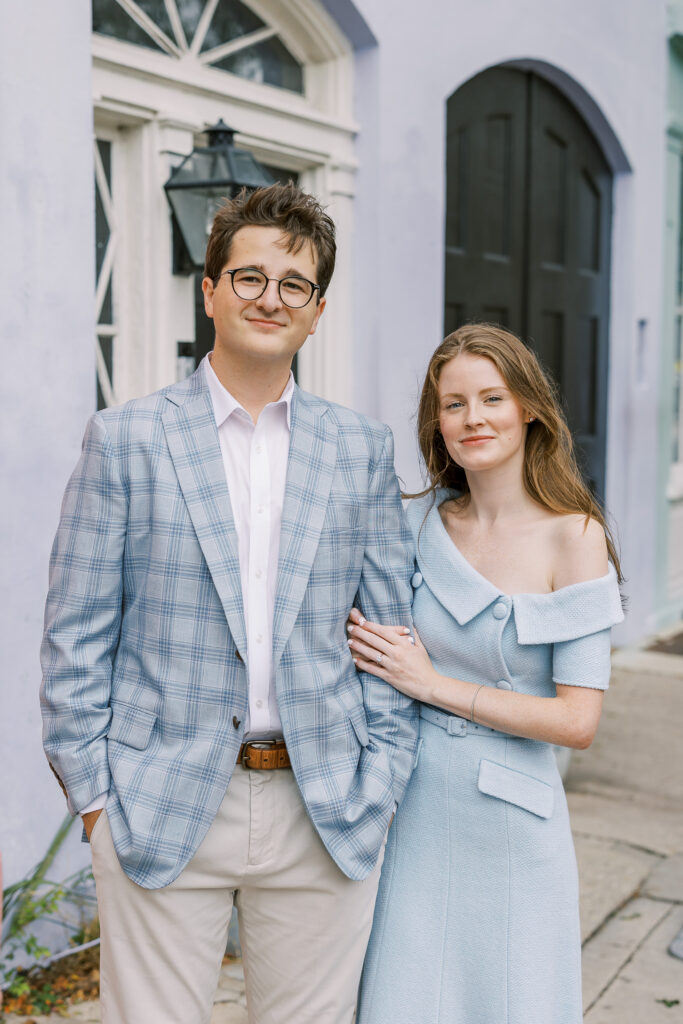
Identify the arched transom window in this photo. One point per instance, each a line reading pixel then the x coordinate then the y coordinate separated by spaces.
pixel 224 34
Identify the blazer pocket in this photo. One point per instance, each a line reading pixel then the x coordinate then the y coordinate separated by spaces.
pixel 131 725
pixel 355 712
pixel 516 788
pixel 356 717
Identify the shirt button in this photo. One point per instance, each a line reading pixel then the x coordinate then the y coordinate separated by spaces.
pixel 259 703
pixel 258 449
pixel 258 574
pixel 503 684
pixel 416 580
pixel 259 638
pixel 500 610
pixel 259 509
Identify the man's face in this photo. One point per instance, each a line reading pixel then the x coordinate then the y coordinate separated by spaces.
pixel 263 328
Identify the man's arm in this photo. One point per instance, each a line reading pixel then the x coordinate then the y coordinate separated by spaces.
pixel 385 595
pixel 83 620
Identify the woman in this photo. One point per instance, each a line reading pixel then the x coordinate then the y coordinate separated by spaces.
pixel 516 590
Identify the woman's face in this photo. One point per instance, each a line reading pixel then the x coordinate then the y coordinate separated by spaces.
pixel 482 423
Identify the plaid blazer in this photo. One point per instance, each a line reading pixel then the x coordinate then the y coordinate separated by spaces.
pixel 144 689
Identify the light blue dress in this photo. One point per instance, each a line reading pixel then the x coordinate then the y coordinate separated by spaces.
pixel 477 918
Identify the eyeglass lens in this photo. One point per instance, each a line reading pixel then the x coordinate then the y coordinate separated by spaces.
pixel 251 284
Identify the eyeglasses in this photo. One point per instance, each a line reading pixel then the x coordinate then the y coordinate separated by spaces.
pixel 249 283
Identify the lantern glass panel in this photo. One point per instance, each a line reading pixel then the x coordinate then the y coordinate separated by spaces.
pixel 194 210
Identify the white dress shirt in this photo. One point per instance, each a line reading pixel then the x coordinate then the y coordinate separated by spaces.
pixel 255 460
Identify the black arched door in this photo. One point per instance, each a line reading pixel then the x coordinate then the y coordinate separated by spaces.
pixel 528 219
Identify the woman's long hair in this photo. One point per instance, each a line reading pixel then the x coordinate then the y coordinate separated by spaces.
pixel 551 474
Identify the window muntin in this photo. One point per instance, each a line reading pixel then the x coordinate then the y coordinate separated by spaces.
pixel 105 245
pixel 223 34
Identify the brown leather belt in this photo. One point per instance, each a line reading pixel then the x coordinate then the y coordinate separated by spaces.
pixel 264 755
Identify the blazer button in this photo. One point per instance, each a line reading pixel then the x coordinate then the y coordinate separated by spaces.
pixel 236 721
pixel 416 581
pixel 500 610
pixel 238 655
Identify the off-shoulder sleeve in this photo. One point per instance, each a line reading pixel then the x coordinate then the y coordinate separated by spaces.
pixel 577 621
pixel 567 614
pixel 584 661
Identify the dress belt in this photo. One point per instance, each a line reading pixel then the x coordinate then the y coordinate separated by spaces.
pixel 264 755
pixel 454 725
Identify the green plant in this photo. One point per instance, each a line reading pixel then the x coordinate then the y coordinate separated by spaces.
pixel 37 898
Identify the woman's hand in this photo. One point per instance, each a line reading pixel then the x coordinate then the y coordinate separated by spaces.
pixel 392 654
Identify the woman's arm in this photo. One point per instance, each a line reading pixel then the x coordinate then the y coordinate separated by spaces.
pixel 570 719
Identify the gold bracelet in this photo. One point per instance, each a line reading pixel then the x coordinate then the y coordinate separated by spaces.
pixel 476 694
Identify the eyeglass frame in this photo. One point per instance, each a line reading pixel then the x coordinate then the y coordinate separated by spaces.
pixel 296 277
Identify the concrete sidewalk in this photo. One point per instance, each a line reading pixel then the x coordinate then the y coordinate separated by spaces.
pixel 626 802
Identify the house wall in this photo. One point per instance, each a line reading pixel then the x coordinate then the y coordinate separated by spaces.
pixel 47 384
pixel 590 51
pixel 670 481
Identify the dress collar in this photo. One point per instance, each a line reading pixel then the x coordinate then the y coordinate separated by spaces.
pixel 564 614
pixel 457 584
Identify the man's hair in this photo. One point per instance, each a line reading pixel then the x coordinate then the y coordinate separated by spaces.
pixel 298 215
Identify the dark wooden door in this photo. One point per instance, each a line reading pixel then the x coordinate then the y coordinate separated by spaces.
pixel 528 224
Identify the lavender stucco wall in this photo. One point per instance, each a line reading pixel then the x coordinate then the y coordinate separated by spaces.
pixel 47 385
pixel 423 54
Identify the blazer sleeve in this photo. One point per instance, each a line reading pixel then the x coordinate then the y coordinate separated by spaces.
pixel 385 595
pixel 83 620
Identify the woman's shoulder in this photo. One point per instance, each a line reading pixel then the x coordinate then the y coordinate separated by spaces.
pixel 585 597
pixel 579 549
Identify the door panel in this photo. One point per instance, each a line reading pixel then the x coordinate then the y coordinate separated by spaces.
pixel 527 236
pixel 484 221
pixel 569 219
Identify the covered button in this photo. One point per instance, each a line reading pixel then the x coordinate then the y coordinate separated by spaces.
pixel 417 579
pixel 503 684
pixel 500 610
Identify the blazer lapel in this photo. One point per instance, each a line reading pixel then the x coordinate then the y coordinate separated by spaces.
pixel 193 442
pixel 312 459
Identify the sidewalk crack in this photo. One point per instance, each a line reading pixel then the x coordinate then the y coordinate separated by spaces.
pixel 631 955
pixel 622 842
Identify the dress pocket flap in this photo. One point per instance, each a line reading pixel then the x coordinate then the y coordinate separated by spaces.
pixel 516 788
pixel 131 725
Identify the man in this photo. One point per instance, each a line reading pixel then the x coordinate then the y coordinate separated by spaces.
pixel 213 538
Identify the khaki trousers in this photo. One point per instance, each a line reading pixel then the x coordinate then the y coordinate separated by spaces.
pixel 304 925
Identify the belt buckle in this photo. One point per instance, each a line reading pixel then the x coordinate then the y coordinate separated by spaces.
pixel 255 745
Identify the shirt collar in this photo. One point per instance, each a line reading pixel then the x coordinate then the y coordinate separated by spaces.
pixel 224 404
